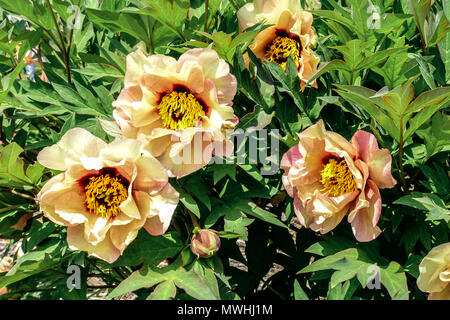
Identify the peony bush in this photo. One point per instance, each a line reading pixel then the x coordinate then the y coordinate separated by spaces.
pixel 234 149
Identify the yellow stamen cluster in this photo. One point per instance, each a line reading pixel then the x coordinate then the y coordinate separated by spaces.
pixel 104 195
pixel 281 48
pixel 180 110
pixel 337 178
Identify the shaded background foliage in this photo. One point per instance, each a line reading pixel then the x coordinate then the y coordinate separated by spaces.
pixel 85 65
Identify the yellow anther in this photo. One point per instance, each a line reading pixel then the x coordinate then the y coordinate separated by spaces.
pixel 281 48
pixel 104 195
pixel 337 178
pixel 180 110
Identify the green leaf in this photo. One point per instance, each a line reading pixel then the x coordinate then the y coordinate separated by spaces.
pixel 436 135
pixel 173 13
pixel 163 291
pixel 299 294
pixel 11 166
pixel 324 263
pixel 150 250
pixel 328 67
pixel 394 280
pixel 444 50
pixel 119 22
pixel 100 70
pixel 420 9
pixel 342 291
pixel 147 277
pixel 429 98
pixel 427 202
pixel 189 202
pixel 361 97
pixel 378 57
pixel 329 14
pixel 255 211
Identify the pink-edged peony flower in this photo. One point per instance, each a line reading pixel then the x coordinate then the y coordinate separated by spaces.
pixel 179 108
pixel 106 192
pixel 291 33
pixel 434 274
pixel 328 176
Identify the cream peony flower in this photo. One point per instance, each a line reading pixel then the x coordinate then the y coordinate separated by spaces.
pixel 179 109
pixel 106 192
pixel 291 33
pixel 328 176
pixel 434 274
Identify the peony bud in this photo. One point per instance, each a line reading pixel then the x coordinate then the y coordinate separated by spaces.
pixel 205 243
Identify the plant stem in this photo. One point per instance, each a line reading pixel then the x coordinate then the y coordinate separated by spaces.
pixel 23 195
pixel 206 15
pixel 194 219
pixel 63 46
pixel 400 159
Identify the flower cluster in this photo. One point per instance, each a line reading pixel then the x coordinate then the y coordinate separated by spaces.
pixel 108 192
pixel 169 112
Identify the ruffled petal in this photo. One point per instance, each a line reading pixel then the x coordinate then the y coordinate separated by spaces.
pixel 151 175
pixel 104 250
pixel 287 161
pixel 379 161
pixel 158 208
pixel 76 144
pixel 62 201
pixel 364 221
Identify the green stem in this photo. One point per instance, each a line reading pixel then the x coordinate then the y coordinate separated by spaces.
pixel 194 219
pixel 400 158
pixel 63 46
pixel 206 15
pixel 150 41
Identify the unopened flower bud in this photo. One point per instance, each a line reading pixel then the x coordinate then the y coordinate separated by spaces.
pixel 205 243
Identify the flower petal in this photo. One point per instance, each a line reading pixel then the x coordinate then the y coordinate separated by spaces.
pixel 379 161
pixel 74 145
pixel 364 221
pixel 158 208
pixel 104 250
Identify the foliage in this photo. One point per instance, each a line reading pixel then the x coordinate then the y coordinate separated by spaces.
pixel 391 81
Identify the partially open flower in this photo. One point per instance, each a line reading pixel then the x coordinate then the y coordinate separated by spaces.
pixel 205 243
pixel 434 274
pixel 328 176
pixel 291 34
pixel 179 108
pixel 106 192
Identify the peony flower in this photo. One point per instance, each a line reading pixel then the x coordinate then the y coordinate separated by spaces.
pixel 106 192
pixel 434 274
pixel 179 108
pixel 291 34
pixel 328 176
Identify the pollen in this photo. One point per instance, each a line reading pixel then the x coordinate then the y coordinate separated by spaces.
pixel 281 48
pixel 337 178
pixel 104 194
pixel 180 110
